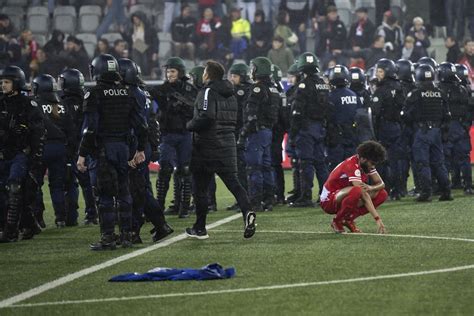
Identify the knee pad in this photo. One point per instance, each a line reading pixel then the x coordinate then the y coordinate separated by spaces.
pixel 14 187
pixel 305 163
pixel 166 170
pixel 184 170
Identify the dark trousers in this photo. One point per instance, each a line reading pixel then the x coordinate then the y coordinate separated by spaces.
pixel 201 179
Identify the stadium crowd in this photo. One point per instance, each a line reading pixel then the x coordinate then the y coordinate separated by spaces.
pixel 367 98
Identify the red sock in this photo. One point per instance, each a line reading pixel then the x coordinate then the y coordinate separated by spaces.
pixel 349 203
pixel 377 201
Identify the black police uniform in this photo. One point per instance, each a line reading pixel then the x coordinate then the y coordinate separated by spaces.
pixel 175 102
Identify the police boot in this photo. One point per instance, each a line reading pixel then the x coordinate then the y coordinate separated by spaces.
pixel 234 207
pixel 90 220
pixel 40 219
pixel 296 187
pixel 160 232
pixel 126 239
pixel 13 213
pixel 136 239
pixel 446 196
pixel 162 185
pixel 186 186
pixel 29 225
pixel 106 242
pixel 305 199
pixel 173 209
pixel 423 197
pixel 468 185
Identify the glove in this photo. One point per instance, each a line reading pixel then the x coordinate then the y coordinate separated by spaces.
pixel 241 141
pixel 20 129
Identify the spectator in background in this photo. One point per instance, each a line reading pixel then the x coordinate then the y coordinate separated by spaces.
pixel 371 55
pixel 46 65
pixel 206 30
pixel 102 47
pixel 283 29
pixel 75 55
pixel 7 27
pixel 143 42
pixel 362 31
pixel 470 16
pixel 115 12
pixel 412 52
pixel 29 47
pixel 467 59
pixel 298 10
pixel 55 46
pixel 260 43
pixel 419 33
pixel 120 49
pixel 10 52
pixel 454 11
pixel 454 52
pixel 215 5
pixel 183 34
pixel 332 36
pixel 281 55
pixel 392 34
pixel 248 7
pixel 240 32
pixel 271 8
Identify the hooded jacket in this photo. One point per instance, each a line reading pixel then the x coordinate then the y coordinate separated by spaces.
pixel 213 127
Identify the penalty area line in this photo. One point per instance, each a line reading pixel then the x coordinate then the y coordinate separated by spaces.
pixel 252 289
pixel 76 275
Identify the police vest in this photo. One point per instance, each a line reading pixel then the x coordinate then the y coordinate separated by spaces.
pixel 268 108
pixel 114 106
pixel 431 107
pixel 55 120
pixel 317 104
pixel 457 101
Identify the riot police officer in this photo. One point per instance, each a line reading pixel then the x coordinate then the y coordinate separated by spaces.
pixel 458 141
pixel 387 103
pixel 21 148
pixel 71 84
pixel 309 115
pixel 427 110
pixel 341 135
pixel 363 117
pixel 293 78
pixel 58 148
pixel 405 74
pixel 239 77
pixel 110 114
pixel 260 114
pixel 175 98
pixel 140 185
pixel 278 133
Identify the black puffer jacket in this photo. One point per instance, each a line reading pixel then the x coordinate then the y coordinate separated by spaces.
pixel 213 124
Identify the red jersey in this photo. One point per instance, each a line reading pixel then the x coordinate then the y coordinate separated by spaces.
pixel 342 176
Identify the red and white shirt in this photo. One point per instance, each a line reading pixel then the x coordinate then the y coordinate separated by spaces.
pixel 346 172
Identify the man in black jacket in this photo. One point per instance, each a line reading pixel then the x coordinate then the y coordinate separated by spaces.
pixel 214 150
pixel 183 31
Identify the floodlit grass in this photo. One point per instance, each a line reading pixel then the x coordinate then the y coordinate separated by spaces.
pixel 273 257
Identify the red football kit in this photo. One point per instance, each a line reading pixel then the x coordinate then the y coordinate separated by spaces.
pixel 341 177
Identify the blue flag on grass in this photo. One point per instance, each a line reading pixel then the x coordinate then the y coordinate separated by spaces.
pixel 212 271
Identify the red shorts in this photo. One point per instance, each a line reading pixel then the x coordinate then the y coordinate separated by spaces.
pixel 328 201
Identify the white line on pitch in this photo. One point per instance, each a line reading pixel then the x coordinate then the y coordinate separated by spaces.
pixel 347 234
pixel 73 276
pixel 251 289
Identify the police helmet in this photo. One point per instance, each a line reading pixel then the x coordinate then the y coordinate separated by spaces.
pixel 388 66
pixel 104 67
pixel 44 86
pixel 339 76
pixel 176 63
pixel 71 80
pixel 428 61
pixel 293 70
pixel 357 76
pixel 16 75
pixel 447 72
pixel 424 73
pixel 308 63
pixel 261 67
pixel 370 75
pixel 277 75
pixel 196 74
pixel 129 72
pixel 241 70
pixel 405 70
pixel 462 72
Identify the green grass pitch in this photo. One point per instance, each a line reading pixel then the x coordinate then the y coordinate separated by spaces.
pixel 294 265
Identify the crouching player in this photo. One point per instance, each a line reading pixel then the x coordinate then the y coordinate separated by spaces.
pixel 347 192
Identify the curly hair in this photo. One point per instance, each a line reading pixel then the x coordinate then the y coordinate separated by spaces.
pixel 372 151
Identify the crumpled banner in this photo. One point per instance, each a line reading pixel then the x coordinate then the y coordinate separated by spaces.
pixel 213 271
